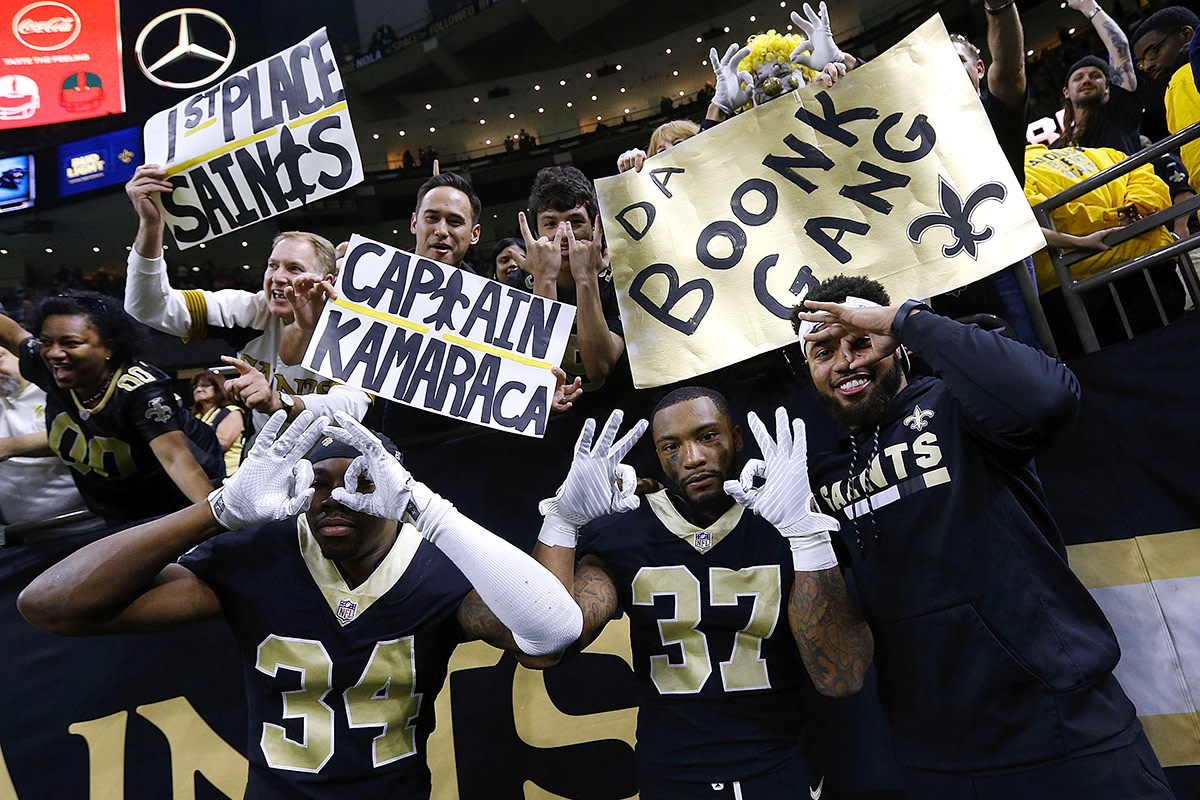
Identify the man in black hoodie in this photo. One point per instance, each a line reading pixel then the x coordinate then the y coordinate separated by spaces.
pixel 995 664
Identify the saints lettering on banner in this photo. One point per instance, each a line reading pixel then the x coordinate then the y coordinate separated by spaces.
pixel 894 174
pixel 266 140
pixel 443 339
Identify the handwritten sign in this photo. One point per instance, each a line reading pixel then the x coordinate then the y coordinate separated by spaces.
pixel 893 174
pixel 259 143
pixel 443 339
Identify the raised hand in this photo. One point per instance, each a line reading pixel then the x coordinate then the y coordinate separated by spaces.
pixel 274 481
pixel 733 87
pixel 586 256
pixel 393 483
pixel 833 322
pixel 631 160
pixel 598 484
pixel 543 255
pixel 306 294
pixel 147 181
pixel 565 393
pixel 818 49
pixel 785 499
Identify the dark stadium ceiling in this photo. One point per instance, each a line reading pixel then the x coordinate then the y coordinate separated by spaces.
pixel 505 51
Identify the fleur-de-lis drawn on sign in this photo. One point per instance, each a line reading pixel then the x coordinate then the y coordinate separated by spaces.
pixel 956 215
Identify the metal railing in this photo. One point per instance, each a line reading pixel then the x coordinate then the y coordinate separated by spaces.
pixel 1073 288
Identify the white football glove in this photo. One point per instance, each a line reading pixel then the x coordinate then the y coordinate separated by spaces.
pixel 392 481
pixel 785 499
pixel 597 485
pixel 274 482
pixel 822 50
pixel 733 87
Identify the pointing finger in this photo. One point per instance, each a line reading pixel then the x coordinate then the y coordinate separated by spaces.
pixel 799 441
pixel 242 367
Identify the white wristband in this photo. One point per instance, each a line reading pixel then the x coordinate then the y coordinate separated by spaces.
pixel 558 532
pixel 216 503
pixel 812 553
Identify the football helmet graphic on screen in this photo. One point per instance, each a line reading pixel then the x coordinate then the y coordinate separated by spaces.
pixel 19 98
pixel 82 91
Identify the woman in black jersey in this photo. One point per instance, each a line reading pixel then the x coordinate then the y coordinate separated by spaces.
pixel 134 450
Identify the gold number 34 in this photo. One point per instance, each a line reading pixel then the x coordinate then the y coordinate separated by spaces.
pixel 383 697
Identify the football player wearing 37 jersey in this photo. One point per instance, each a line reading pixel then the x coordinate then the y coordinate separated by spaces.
pixel 345 617
pixel 706 587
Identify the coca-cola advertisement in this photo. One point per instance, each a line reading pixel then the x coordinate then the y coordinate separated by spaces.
pixel 60 60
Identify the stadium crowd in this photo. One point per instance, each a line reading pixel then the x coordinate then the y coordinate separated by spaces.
pixel 994 663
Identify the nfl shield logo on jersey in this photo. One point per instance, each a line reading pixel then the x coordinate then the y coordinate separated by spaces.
pixel 703 541
pixel 346 609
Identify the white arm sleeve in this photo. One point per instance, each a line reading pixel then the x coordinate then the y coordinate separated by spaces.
pixel 150 299
pixel 339 398
pixel 524 595
pixel 188 314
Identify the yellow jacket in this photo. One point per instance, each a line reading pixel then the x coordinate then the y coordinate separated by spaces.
pixel 1183 108
pixel 1048 172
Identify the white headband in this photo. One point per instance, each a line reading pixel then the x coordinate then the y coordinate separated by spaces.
pixel 811 327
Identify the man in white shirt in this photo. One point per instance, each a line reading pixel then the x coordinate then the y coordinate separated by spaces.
pixel 252 322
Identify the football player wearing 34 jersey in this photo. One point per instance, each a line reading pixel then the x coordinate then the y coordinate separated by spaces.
pixel 346 618
pixel 729 620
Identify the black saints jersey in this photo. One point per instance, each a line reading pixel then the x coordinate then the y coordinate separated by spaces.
pixel 711 642
pixel 340 682
pixel 107 447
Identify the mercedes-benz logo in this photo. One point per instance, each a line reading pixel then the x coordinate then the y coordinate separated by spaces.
pixel 186 48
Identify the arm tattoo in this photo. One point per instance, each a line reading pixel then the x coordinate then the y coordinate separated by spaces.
pixel 594 592
pixel 596 595
pixel 1124 74
pixel 835 643
pixel 478 622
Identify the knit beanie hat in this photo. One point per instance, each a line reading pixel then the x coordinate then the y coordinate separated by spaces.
pixel 1090 61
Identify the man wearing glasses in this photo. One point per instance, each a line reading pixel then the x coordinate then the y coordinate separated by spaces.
pixel 1160 44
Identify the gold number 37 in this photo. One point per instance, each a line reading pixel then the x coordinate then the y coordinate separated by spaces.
pixel 746 669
